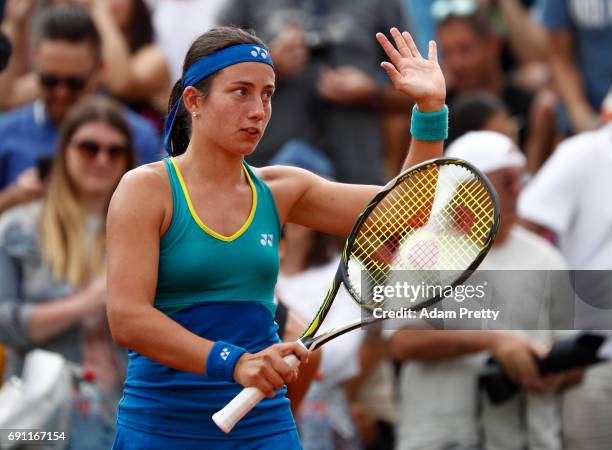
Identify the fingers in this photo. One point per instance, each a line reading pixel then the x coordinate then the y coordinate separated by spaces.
pixel 392 73
pixel 260 371
pixel 295 348
pixel 433 52
pixel 272 368
pixel 527 372
pixel 411 45
pixel 391 51
pixel 572 378
pixel 402 45
pixel 276 372
pixel 265 386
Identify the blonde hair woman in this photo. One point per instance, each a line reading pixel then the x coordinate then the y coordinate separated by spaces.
pixel 52 253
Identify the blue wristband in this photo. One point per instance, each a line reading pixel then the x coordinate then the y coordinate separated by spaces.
pixel 429 127
pixel 222 359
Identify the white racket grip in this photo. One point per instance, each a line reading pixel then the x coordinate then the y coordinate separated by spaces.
pixel 245 401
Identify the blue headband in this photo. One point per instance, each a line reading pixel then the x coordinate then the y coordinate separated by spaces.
pixel 210 64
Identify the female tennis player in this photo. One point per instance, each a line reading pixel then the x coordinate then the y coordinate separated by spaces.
pixel 193 246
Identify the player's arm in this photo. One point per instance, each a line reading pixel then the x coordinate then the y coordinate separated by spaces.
pixel 133 231
pixel 135 221
pixel 309 200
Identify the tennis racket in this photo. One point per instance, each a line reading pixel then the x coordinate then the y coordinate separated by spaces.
pixel 436 221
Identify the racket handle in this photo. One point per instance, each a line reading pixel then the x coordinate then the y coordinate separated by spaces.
pixel 245 401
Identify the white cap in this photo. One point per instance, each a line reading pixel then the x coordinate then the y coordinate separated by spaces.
pixel 487 151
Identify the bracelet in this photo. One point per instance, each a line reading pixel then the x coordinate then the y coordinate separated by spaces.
pixel 429 127
pixel 222 359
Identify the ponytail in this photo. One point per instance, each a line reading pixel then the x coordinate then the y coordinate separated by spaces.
pixel 181 131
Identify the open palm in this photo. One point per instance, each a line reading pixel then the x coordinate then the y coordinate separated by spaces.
pixel 421 78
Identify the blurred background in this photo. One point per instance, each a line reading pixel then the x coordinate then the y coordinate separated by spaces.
pixel 84 89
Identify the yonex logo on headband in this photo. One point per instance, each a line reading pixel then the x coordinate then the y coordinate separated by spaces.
pixel 258 51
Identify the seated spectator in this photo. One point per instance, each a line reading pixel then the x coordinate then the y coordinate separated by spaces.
pixel 568 201
pixel 472 62
pixel 68 66
pixel 52 260
pixel 440 405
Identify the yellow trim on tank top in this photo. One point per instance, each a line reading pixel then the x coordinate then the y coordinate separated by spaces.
pixel 201 224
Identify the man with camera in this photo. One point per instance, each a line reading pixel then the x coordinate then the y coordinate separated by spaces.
pixel 441 405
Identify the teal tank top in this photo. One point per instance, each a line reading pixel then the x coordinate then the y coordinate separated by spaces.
pixel 196 264
pixel 219 288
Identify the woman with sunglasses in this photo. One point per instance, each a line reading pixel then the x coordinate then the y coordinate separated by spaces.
pixel 193 246
pixel 52 261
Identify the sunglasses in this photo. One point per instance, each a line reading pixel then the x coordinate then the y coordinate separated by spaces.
pixel 73 84
pixel 90 149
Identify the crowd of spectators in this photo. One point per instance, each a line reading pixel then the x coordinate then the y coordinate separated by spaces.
pixel 83 100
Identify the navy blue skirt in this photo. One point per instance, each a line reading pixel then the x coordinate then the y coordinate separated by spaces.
pixel 130 439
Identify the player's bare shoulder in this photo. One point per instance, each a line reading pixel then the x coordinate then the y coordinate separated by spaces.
pixel 144 190
pixel 146 177
pixel 287 184
pixel 284 177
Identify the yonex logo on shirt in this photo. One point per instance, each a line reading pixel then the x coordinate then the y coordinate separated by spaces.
pixel 266 240
pixel 224 353
pixel 258 51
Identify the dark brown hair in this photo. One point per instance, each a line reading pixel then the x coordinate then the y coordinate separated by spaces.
pixel 69 23
pixel 470 112
pixel 210 42
pixel 478 21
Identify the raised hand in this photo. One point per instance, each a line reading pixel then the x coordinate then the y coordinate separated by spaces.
pixel 410 73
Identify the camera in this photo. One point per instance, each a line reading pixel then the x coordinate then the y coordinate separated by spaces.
pixel 569 353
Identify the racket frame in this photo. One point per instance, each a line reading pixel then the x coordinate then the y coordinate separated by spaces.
pixel 308 338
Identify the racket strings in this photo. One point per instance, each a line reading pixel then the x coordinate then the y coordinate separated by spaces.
pixel 438 219
pixel 473 231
